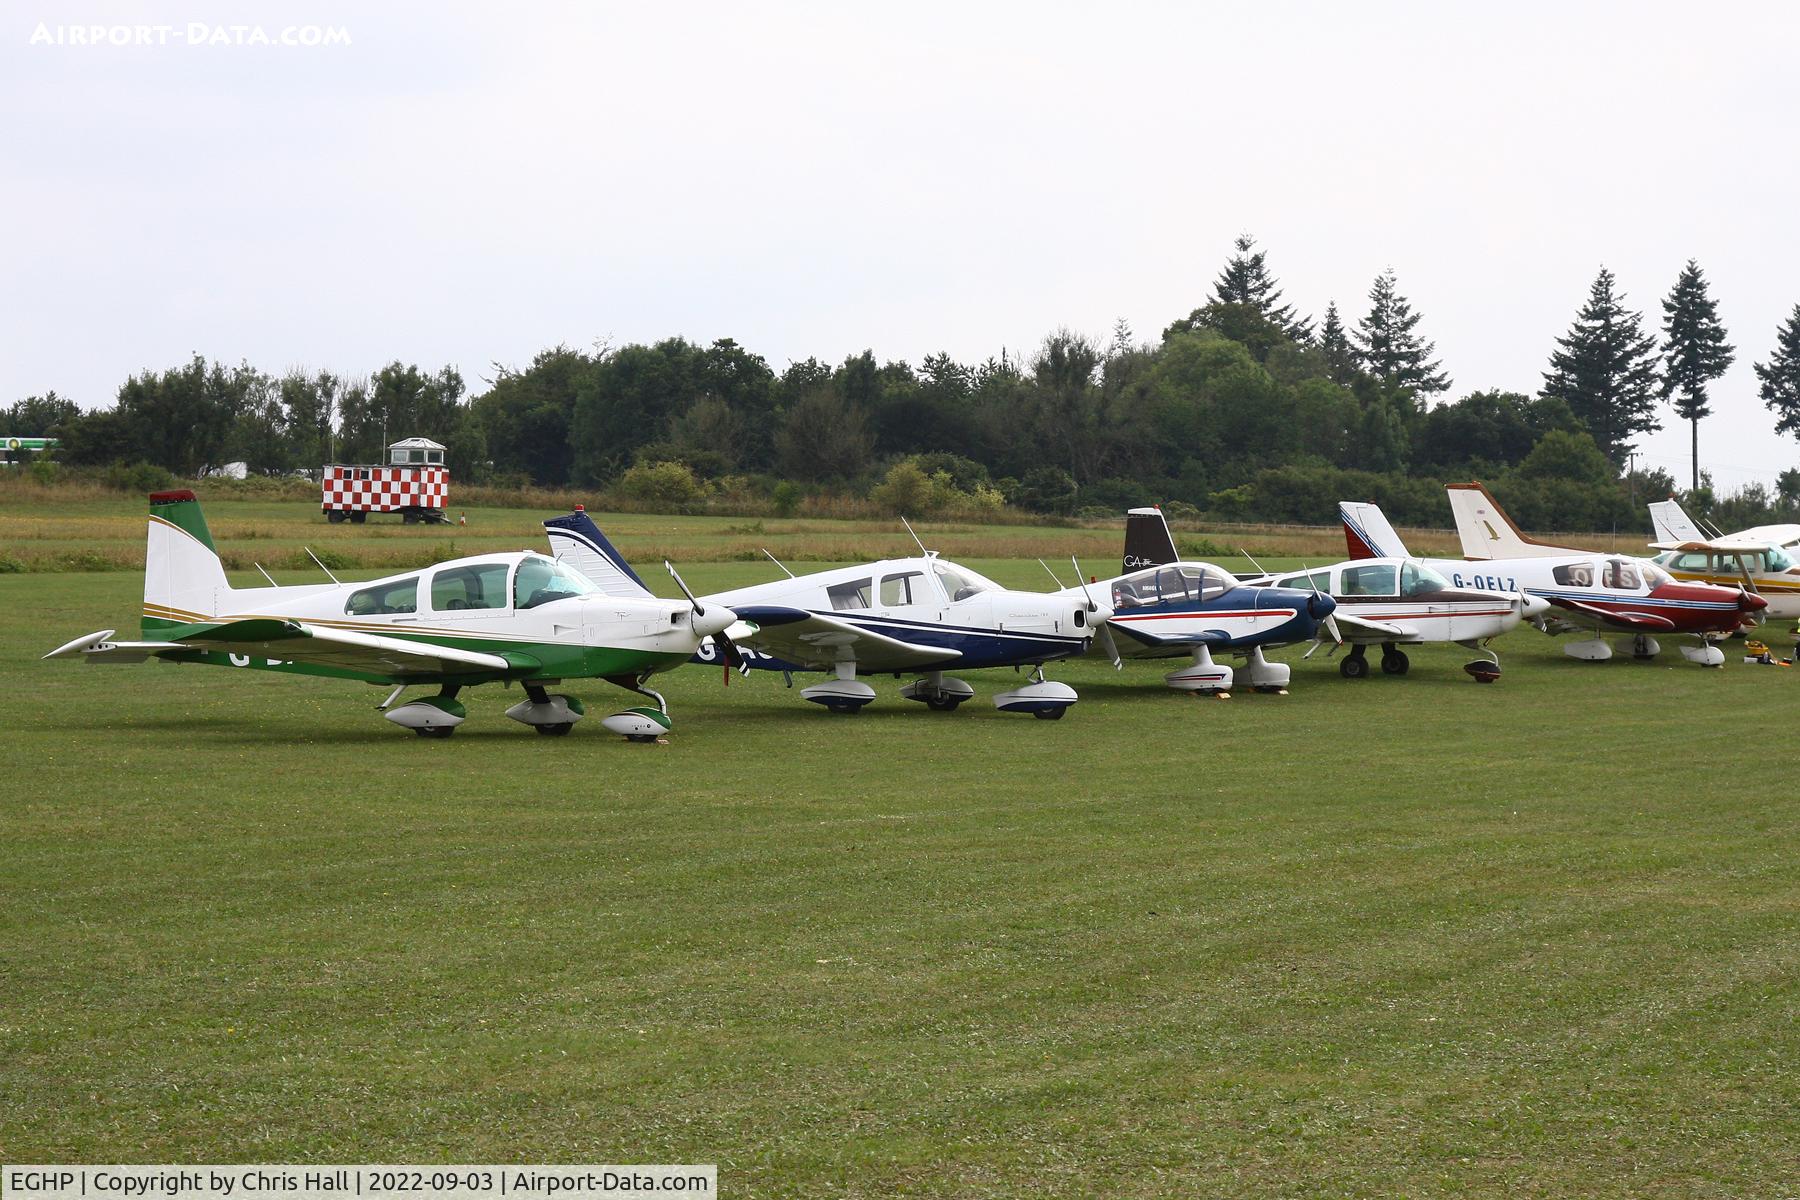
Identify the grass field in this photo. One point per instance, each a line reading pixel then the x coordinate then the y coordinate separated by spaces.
pixel 1398 936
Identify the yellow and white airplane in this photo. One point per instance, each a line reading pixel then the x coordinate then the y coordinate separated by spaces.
pixel 1765 558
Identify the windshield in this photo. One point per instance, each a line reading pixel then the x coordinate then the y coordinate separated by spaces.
pixel 541 580
pixel 1655 576
pixel 960 583
pixel 1417 579
pixel 1778 559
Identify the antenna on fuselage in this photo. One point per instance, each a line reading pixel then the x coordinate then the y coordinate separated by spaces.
pixel 265 574
pixel 321 566
pixel 915 537
pixel 1052 574
pixel 1253 562
pixel 777 562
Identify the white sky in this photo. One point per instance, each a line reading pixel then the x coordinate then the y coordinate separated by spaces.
pixel 473 183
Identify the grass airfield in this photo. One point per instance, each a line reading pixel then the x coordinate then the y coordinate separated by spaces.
pixel 1393 936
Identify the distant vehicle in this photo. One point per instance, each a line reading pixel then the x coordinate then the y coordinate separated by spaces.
pixel 1764 558
pixel 13 448
pixel 415 483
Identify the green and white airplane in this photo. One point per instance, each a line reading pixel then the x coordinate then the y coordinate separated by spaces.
pixel 491 618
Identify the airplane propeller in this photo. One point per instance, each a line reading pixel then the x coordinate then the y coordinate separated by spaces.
pixel 728 651
pixel 1102 628
pixel 1330 621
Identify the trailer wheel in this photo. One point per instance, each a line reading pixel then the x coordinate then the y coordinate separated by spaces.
pixel 336 516
pixel 358 518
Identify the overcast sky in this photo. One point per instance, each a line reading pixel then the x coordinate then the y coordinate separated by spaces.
pixel 469 184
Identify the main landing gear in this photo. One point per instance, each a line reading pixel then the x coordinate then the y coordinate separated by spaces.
pixel 938 692
pixel 433 716
pixel 551 716
pixel 1355 665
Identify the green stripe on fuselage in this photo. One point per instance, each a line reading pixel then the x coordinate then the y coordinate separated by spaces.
pixel 554 660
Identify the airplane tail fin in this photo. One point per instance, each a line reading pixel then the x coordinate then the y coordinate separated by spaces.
pixel 1367 532
pixel 1148 542
pixel 576 540
pixel 1487 532
pixel 184 581
pixel 1672 524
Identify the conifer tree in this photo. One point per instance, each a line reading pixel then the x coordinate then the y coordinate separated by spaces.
pixel 1780 376
pixel 1340 355
pixel 1398 358
pixel 1246 280
pixel 1695 351
pixel 1604 368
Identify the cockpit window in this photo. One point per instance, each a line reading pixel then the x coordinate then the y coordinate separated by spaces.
pixel 850 594
pixel 1417 579
pixel 1374 580
pixel 394 596
pixel 1574 574
pixel 1318 581
pixel 960 583
pixel 897 590
pixel 482 585
pixel 1621 574
pixel 541 580
pixel 1779 559
pixel 1654 576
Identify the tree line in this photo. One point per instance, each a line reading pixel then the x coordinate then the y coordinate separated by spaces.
pixel 1243 408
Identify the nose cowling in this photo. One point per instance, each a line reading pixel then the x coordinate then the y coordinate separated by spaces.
pixel 1533 607
pixel 1320 606
pixel 1751 602
pixel 716 619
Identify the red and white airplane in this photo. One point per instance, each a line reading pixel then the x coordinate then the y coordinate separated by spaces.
pixel 1590 592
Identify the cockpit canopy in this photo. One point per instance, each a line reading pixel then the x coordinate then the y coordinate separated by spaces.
pixel 1406 578
pixel 959 582
pixel 540 580
pixel 1173 584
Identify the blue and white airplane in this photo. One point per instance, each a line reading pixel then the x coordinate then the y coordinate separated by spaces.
pixel 1165 608
pixel 919 616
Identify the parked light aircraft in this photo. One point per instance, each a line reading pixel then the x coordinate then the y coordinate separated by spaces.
pixel 1388 598
pixel 1596 593
pixel 1762 558
pixel 1165 608
pixel 915 616
pixel 507 618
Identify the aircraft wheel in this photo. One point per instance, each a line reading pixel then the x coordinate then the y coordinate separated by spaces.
pixel 1395 663
pixel 435 731
pixel 943 703
pixel 1354 667
pixel 1049 714
pixel 555 730
pixel 846 707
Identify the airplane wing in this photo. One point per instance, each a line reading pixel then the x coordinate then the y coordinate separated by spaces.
pixel 293 641
pixel 1647 622
pixel 817 640
pixel 1361 629
pixel 1206 637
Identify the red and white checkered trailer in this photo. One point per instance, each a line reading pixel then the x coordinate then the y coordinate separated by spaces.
pixel 351 493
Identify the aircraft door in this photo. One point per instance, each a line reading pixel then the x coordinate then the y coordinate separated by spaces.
pixel 908 595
